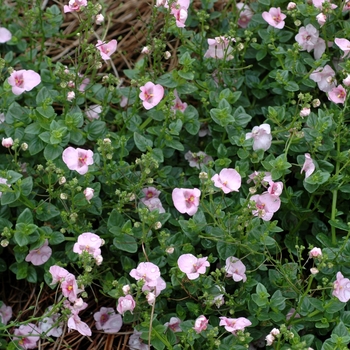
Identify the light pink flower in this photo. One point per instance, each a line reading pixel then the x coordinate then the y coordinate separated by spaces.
pixel 151 94
pixel 153 204
pixel 7 142
pixel 23 80
pixel 315 252
pixel 305 112
pixel 41 255
pixel 196 159
pixel 58 274
pixel 70 287
pixel 88 242
pixel 3 182
pixel 269 339
pixel 245 14
pixel 135 342
pixel 274 17
pixel 235 269
pixel 341 288
pixel 78 159
pixel 150 192
pixel 174 324
pixel 107 320
pixel 29 336
pixel 192 266
pixel 346 6
pixel 146 271
pixel 146 50
pixel 178 104
pixel 262 137
pixel 186 200
pixel 308 39
pixel 319 4
pixel 106 49
pixel 84 83
pixel 321 19
pixel 337 95
pixel 160 285
pixel 5 35
pixel 126 289
pixel 180 15
pixel 74 322
pixel 346 81
pixel 125 304
pixel 344 45
pixel 50 325
pixel 256 178
pixel 93 112
pixel 77 306
pixel 291 6
pixel 99 19
pixel 5 314
pixel 151 298
pixel 228 180
pixel 266 205
pixel 219 48
pixel 74 6
pixel 275 188
pixel 234 324
pixel 70 96
pixel 89 193
pixel 324 77
pixel 200 324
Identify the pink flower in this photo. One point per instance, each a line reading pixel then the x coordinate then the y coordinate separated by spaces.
pixel 200 324
pixel 58 273
pixel 324 77
pixel 308 39
pixel 319 4
pixel 70 288
pixel 269 339
pixel 192 266
pixel 83 84
pixel 74 322
pixel 259 177
pixel 70 96
pixel 341 288
pixel 234 324
pixel 245 14
pixel 51 325
pixel 106 49
pixel 151 94
pixel 107 320
pixel 291 6
pixel 153 204
pixel 99 19
pixel 93 112
pixel 178 104
pixel 7 142
pixel 174 324
pixel 235 269
pixel 337 94
pixel 160 285
pixel 23 80
pixel 5 35
pixel 41 255
pixel 5 314
pixel 305 112
pixel 74 5
pixel 197 159
pixel 146 271
pixel 262 137
pixel 180 15
pixel 344 45
pixel 315 252
pixel 219 48
pixel 29 336
pixel 228 180
pixel 321 19
pixel 135 342
pixel 125 304
pixel 186 200
pixel 274 17
pixel 78 159
pixel 150 192
pixel 89 193
pixel 151 298
pixel 275 188
pixel 346 81
pixel 266 205
pixel 88 242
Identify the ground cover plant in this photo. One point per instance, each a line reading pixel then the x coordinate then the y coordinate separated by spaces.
pixel 178 183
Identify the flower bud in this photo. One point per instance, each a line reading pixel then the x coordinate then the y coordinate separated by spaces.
pixel 99 19
pixel 89 193
pixel 70 96
pixel 7 142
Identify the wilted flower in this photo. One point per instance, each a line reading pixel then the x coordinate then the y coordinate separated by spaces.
pixel 196 159
pixel 74 322
pixel 308 166
pixel 5 314
pixel 174 324
pixel 93 112
pixel 107 320
pixel 219 48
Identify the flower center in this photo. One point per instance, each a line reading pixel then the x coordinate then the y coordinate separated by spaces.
pixel 277 18
pixel 19 80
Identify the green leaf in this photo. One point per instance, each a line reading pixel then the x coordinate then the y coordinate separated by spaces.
pixel 96 129
pixel 141 142
pixel 26 186
pixel 125 242
pixel 52 152
pixel 115 219
pixel 31 274
pixel 25 217
pixel 46 211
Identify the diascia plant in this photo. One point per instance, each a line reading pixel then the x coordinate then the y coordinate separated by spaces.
pixel 201 189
